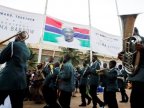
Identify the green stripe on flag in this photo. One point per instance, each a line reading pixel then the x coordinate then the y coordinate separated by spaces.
pixel 51 37
pixel 85 43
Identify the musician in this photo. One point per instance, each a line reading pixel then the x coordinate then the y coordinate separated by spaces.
pixel 111 85
pixel 28 94
pixel 122 75
pixel 38 79
pixel 76 76
pixel 84 85
pixel 49 89
pixel 104 81
pixel 137 79
pixel 13 75
pixel 48 64
pixel 94 82
pixel 66 82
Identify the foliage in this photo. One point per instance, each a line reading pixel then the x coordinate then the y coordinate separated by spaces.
pixel 78 57
pixel 86 57
pixel 74 53
pixel 32 60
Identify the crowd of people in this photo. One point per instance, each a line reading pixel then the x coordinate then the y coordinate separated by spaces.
pixel 52 83
pixel 55 82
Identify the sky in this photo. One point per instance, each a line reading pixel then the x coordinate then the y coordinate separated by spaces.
pixel 103 15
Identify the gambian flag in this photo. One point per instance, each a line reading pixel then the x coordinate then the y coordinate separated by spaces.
pixel 54 34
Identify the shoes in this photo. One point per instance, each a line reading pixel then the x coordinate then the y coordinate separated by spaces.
pixel 123 101
pixel 26 99
pixel 46 106
pixel 74 96
pixel 89 101
pixel 81 105
pixel 102 105
pixel 105 103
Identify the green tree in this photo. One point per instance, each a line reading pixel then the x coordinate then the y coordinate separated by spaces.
pixel 32 63
pixel 74 53
pixel 86 56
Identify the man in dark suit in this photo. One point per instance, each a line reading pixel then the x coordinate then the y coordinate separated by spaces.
pixel 66 82
pixel 103 81
pixel 111 85
pixel 49 88
pixel 122 83
pixel 83 86
pixel 13 75
pixel 94 82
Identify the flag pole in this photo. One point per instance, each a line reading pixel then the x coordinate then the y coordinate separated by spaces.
pixel 120 26
pixel 89 15
pixel 53 53
pixel 40 43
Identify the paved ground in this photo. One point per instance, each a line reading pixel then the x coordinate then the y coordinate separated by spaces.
pixel 77 100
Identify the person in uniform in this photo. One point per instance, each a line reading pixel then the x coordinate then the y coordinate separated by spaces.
pixel 94 82
pixel 122 75
pixel 111 85
pixel 49 88
pixel 66 82
pixel 13 80
pixel 83 86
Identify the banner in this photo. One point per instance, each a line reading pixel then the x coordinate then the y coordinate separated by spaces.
pixel 66 34
pixel 12 21
pixel 106 44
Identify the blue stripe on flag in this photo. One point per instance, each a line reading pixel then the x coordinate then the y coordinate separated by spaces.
pixel 81 36
pixel 53 29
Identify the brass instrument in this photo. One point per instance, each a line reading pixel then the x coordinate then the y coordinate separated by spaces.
pixel 22 36
pixel 102 71
pixel 131 56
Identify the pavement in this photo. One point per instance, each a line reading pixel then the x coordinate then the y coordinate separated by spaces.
pixel 76 101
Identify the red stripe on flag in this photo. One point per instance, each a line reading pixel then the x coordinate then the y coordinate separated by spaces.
pixel 80 30
pixel 53 22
